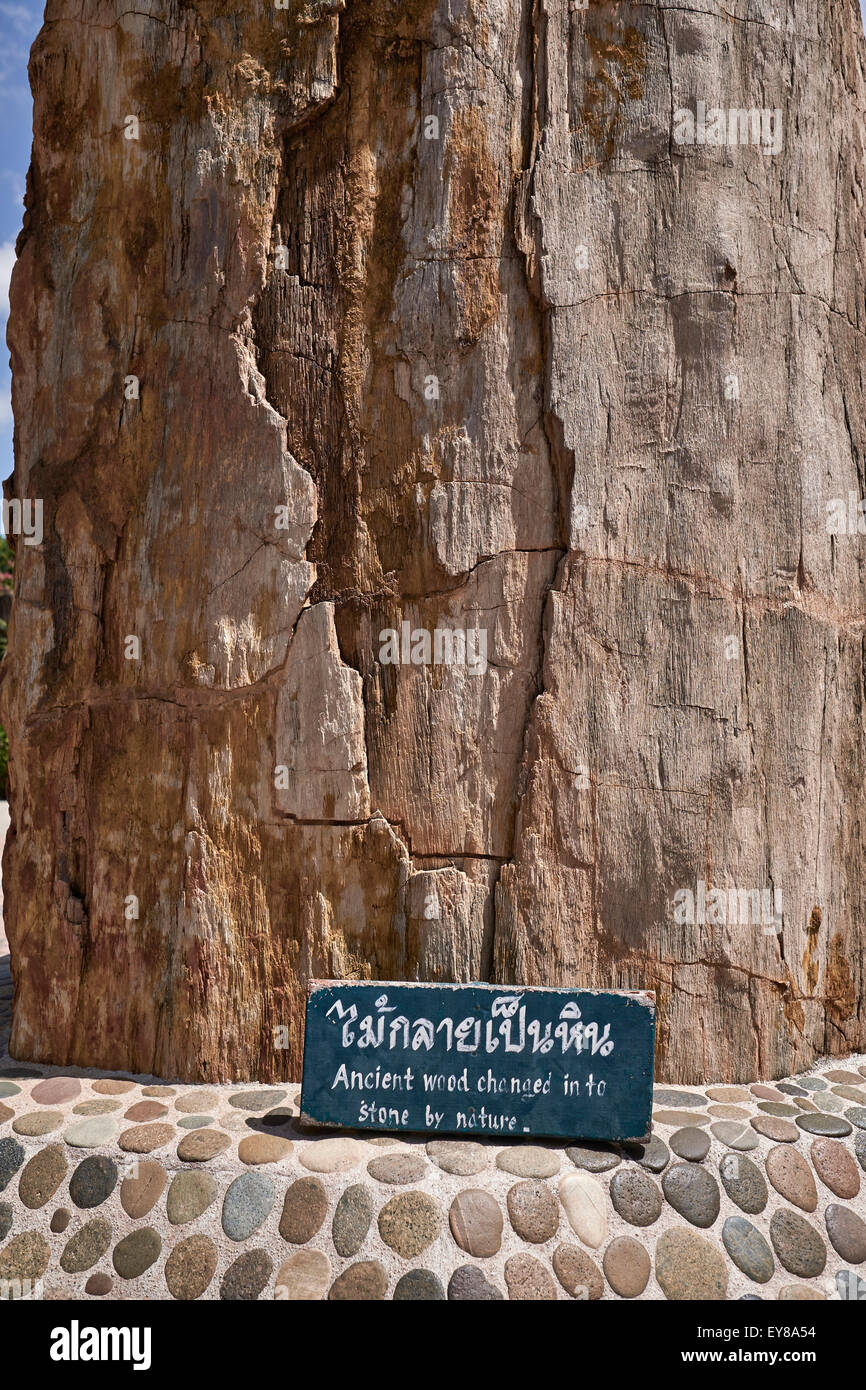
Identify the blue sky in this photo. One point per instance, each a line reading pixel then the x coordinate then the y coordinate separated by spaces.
pixel 20 21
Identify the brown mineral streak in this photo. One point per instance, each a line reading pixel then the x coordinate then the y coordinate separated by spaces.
pixel 430 824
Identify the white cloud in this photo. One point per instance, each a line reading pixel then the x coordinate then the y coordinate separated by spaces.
pixel 5 408
pixel 7 260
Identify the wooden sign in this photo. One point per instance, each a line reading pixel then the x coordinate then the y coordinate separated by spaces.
pixel 476 1060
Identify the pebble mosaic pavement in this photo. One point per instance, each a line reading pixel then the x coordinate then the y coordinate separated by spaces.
pixel 130 1188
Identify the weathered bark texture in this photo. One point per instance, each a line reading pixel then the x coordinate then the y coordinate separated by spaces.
pixel 674 690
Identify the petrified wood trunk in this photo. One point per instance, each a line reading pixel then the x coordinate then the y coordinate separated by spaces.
pixel 442 314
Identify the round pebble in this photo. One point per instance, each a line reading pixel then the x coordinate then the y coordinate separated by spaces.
pixel 409 1223
pixel 98 1285
pixel 461 1159
pixel 244 1280
pixel 190 1194
pixel 143 1139
pixel 42 1176
pixel 136 1252
pixel 829 1103
pixel 585 1204
pixel 690 1143
pixel 145 1110
pixel 476 1223
pixel 833 1126
pixel 469 1285
pixel 654 1154
pixel 93 1181
pixel 56 1090
pixel 798 1245
pixel 88 1245
pixel 792 1178
pixel 693 1192
pixel 849 1093
pixel 257 1149
pixel 773 1107
pixel 197 1102
pixel 25 1257
pixel 729 1094
pixel 398 1168
pixel 762 1092
pixel 734 1136
pixel 748 1249
pixel 525 1161
pixel 304 1277
pixel 857 1116
pixel 191 1266
pixel 140 1192
pixel 850 1078
pixel 677 1099
pixel 201 1145
pixel 789 1089
pixel 8 1088
pixel 419 1286
pixel 96 1107
pixel 527 1280
pixel 195 1121
pixel 333 1155
pixel 257 1100
pixel 305 1207
pixel 812 1083
pixel 352 1220
pixel 780 1131
pixel 247 1203
pixel 594 1158
pixel 835 1167
pixel 110 1087
pixel 577 1273
pixel 627 1267
pixel 59 1221
pixel 635 1197
pixel 365 1281
pixel 159 1092
pixel 688 1267
pixel 38 1122
pixel 800 1293
pixel 847 1233
pixel 6 1113
pixel 92 1133
pixel 533 1211
pixel 859 1149
pixel 673 1119
pixel 11 1158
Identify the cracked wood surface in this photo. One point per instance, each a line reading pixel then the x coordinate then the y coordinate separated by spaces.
pixel 281 804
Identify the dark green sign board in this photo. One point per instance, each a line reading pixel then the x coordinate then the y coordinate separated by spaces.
pixel 477 1060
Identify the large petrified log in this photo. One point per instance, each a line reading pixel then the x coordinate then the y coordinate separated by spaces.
pixel 535 323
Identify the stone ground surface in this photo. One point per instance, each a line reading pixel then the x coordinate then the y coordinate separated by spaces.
pixel 127 1187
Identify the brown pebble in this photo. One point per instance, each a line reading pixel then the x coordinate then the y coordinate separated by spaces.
pixel 627 1267
pixel 792 1178
pixel 528 1280
pixel 141 1191
pixel 365 1281
pixel 835 1167
pixel 577 1273
pixel 112 1088
pixel 145 1110
pixel 98 1285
